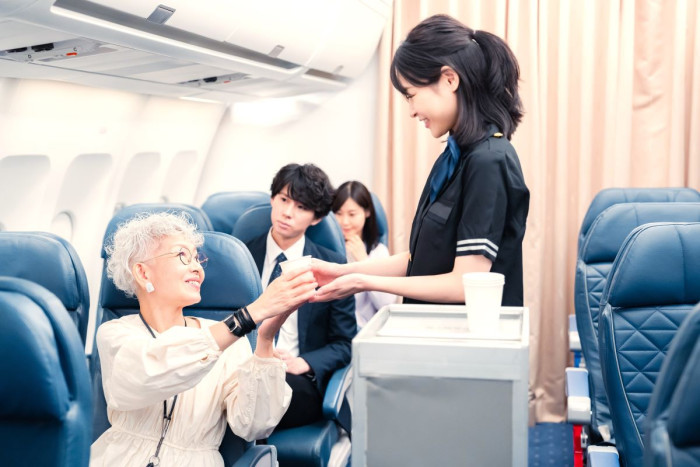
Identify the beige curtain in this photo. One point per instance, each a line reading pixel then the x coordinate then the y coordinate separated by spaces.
pixel 611 90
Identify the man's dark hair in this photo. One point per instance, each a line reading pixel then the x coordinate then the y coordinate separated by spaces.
pixel 308 185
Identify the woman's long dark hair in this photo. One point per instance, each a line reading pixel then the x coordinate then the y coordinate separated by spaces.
pixel 488 74
pixel 360 194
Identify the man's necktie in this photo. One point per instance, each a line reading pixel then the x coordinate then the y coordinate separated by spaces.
pixel 277 270
pixel 444 167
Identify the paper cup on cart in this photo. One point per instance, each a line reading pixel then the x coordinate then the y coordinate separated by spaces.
pixel 293 264
pixel 483 292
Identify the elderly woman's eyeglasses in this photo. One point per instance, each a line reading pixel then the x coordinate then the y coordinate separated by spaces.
pixel 185 256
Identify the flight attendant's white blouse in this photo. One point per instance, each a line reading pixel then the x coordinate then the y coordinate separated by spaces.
pixel 214 387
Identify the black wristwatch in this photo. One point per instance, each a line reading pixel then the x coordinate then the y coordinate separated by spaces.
pixel 234 326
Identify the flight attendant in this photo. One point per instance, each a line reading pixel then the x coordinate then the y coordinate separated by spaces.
pixel 471 215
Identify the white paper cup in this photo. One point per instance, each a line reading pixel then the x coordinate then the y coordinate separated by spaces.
pixel 483 292
pixel 291 265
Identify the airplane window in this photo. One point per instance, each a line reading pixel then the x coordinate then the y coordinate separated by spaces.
pixel 181 181
pixel 62 225
pixel 140 182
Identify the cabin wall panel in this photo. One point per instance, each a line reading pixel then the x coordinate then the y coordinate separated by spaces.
pixel 337 135
pixel 70 154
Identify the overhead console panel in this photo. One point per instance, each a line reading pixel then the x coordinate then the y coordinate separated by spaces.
pixel 219 49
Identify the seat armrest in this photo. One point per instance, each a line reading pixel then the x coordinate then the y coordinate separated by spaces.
pixel 574 339
pixel 258 456
pixel 603 456
pixel 578 399
pixel 335 392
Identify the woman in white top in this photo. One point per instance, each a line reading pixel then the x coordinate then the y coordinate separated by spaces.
pixel 355 212
pixel 158 359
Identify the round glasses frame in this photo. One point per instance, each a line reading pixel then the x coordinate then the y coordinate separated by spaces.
pixel 185 256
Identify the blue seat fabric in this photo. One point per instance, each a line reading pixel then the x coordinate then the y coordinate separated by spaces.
pixel 45 385
pixel 382 222
pixel 51 262
pixel 596 256
pixel 653 285
pixel 610 196
pixel 672 431
pixel 256 221
pixel 224 208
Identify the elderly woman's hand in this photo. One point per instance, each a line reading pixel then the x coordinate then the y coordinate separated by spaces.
pixel 271 326
pixel 285 294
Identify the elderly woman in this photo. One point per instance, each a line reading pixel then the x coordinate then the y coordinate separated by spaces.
pixel 173 382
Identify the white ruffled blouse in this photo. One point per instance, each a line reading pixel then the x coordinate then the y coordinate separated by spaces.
pixel 214 387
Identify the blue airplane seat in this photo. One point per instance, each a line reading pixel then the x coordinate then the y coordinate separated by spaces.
pixel 653 285
pixel 45 389
pixel 226 207
pixel 672 435
pixel 382 222
pixel 198 216
pixel 231 281
pixel 596 256
pixel 256 221
pixel 52 262
pixel 308 445
pixel 609 196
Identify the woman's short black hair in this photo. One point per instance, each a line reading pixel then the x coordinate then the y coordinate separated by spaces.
pixel 488 74
pixel 360 194
pixel 308 185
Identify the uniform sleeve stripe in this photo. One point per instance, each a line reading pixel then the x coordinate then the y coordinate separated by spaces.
pixel 478 241
pixel 478 248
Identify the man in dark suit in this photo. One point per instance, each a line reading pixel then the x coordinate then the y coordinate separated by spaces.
pixel 316 339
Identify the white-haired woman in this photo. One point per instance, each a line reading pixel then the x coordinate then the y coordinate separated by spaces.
pixel 173 382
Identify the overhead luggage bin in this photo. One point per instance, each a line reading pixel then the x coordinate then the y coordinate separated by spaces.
pixel 223 49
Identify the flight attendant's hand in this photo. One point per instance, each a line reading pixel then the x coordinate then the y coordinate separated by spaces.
pixel 355 248
pixel 325 272
pixel 341 287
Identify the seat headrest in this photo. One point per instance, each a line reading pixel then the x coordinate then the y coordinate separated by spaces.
pixel 684 409
pixel 609 196
pixel 657 265
pixel 611 227
pixel 382 222
pixel 225 208
pixel 231 279
pixel 256 222
pixel 42 361
pixel 114 299
pixel 48 260
pixel 199 218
